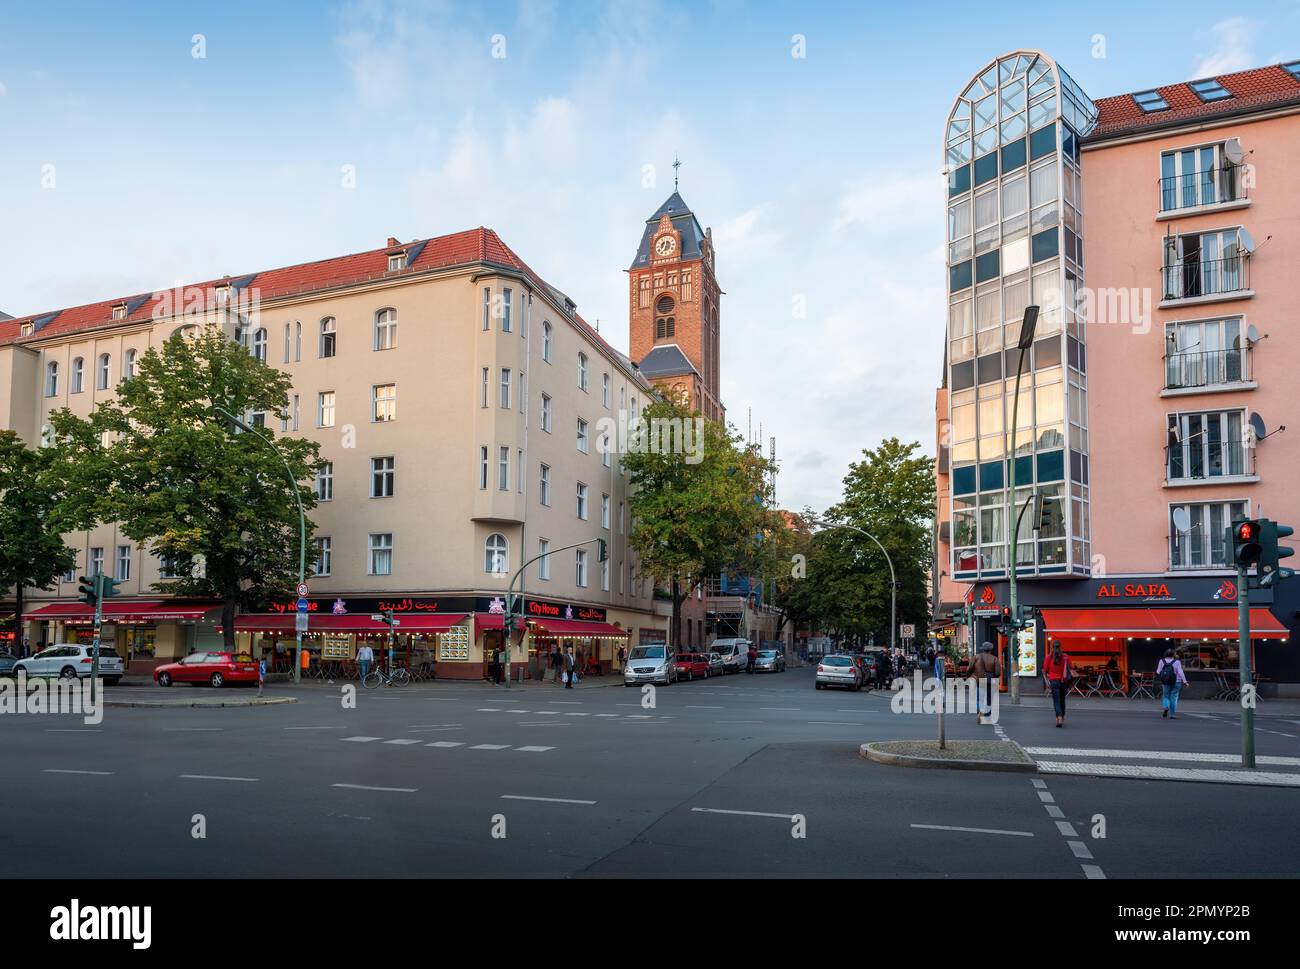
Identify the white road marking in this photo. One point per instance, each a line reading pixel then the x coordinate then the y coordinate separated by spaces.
pixel 490 710
pixel 638 716
pixel 752 814
pixel 543 723
pixel 945 827
pixel 402 741
pixel 340 727
pixel 432 729
pixel 837 723
pixel 1160 755
pixel 740 721
pixel 518 711
pixel 217 777
pixel 690 707
pixel 446 743
pixel 790 709
pixel 1092 871
pixel 567 703
pixel 548 713
pixel 551 800
pixel 577 714
pixel 367 787
pixel 489 747
pixel 606 714
pixel 97 773
pixel 1067 829
pixel 70 730
pixel 1045 796
pixel 1053 811
pixel 535 749
pixel 190 729
pixel 361 740
pixel 1145 772
pixel 1080 850
pixel 1039 783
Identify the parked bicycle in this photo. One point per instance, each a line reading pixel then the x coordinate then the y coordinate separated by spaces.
pixel 398 677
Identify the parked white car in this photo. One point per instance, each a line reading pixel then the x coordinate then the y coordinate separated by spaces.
pixel 68 660
pixel 650 664
pixel 734 653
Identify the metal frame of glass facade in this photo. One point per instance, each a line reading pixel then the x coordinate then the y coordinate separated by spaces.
pixel 1015 237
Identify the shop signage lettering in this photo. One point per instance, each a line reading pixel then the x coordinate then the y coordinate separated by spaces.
pixel 1134 590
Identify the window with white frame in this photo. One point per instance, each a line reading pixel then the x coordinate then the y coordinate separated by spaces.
pixel 1198 534
pixel 604 389
pixel 173 565
pixel 381 554
pixel 544 485
pixel 604 450
pixel 582 501
pixel 71 575
pixel 523 394
pixel 119 311
pixel 123 563
pixel 505 388
pixel 503 469
pixel 297 412
pixel 297 341
pixel 620 518
pixel 324 554
pixel 288 335
pixel 102 372
pixel 580 568
pixel 97 561
pixel 483 468
pixel 507 300
pixel 485 387
pixel 78 375
pixel 259 345
pixel 1192 177
pixel 386 329
pixel 519 470
pixel 604 511
pixel 496 554
pixel 582 372
pixel 396 261
pixel 383 477
pixel 1204 264
pixel 547 334
pixel 582 435
pixel 325 481
pixel 325 408
pixel 546 413
pixel 1205 353
pixel 487 308
pixel 128 364
pixel 544 563
pixel 385 403
pixel 1208 444
pixel 328 337
pixel 52 379
pixel 604 576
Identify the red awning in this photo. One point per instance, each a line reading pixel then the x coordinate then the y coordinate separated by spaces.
pixel 577 629
pixel 490 620
pixel 1200 623
pixel 124 612
pixel 284 622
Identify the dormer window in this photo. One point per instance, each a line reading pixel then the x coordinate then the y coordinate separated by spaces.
pixel 396 261
pixel 25 330
pixel 119 311
pixel 222 294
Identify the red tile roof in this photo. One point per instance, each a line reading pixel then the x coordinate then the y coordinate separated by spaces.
pixel 1257 89
pixel 472 246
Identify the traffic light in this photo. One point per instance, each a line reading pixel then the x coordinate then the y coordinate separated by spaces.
pixel 1270 552
pixel 602 553
pixel 1008 621
pixel 1027 615
pixel 1047 514
pixel 108 587
pixel 89 589
pixel 509 625
pixel 1246 546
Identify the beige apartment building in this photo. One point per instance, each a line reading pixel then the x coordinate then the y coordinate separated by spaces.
pixel 461 405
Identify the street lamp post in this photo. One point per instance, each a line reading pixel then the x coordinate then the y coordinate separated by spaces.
pixel 1027 325
pixel 893 581
pixel 302 525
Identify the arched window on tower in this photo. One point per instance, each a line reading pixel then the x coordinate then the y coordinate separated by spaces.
pixel 665 323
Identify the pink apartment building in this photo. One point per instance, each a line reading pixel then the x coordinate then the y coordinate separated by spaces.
pixel 1157 232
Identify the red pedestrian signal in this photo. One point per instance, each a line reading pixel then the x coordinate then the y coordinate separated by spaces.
pixel 1246 547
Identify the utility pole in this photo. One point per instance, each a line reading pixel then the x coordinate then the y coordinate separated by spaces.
pixel 1027 325
pixel 893 580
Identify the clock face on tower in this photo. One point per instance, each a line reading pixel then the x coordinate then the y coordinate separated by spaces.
pixel 665 246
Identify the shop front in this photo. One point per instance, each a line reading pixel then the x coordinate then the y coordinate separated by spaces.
pixel 1115 630
pixel 144 633
pixel 550 626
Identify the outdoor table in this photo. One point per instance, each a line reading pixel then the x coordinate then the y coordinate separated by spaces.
pixel 1105 685
pixel 1081 685
pixel 1142 686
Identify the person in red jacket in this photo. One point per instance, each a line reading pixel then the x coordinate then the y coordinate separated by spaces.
pixel 1056 678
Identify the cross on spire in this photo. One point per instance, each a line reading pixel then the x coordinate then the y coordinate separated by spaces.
pixel 676 165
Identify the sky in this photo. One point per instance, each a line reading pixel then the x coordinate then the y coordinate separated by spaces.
pixel 148 143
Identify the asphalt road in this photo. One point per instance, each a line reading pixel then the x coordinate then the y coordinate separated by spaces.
pixel 740 776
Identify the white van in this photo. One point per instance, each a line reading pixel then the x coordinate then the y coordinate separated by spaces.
pixel 734 652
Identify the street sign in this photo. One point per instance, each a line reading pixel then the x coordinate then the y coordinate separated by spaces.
pixel 907 630
pixel 397 622
pixel 988 612
pixel 302 589
pixel 377 617
pixel 300 622
pixel 303 605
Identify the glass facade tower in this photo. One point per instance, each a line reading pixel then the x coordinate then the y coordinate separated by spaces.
pixel 1015 238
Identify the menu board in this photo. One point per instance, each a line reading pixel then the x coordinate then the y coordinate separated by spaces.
pixel 454 643
pixel 336 647
pixel 1028 649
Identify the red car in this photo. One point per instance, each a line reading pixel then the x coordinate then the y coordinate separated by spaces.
pixel 691 665
pixel 216 669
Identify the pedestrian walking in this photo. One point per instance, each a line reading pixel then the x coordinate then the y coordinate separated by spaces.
pixel 570 668
pixel 1057 676
pixel 622 657
pixel 261 675
pixel 936 660
pixel 557 663
pixel 365 658
pixel 985 668
pixel 750 658
pixel 1169 672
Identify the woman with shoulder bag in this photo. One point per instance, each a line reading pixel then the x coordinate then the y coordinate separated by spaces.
pixel 1057 677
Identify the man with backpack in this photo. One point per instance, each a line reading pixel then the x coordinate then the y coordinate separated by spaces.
pixel 1170 676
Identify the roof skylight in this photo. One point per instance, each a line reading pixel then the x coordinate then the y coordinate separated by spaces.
pixel 1150 101
pixel 1210 90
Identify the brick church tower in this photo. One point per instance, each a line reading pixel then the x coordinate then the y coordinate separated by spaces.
pixel 673 303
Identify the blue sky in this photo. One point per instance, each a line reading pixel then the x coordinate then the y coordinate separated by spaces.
pixel 819 175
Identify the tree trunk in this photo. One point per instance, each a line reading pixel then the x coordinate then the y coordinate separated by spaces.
pixel 20 648
pixel 228 624
pixel 677 615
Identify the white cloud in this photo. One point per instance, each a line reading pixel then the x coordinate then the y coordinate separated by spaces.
pixel 745 236
pixel 878 201
pixel 1232 48
pixel 3 90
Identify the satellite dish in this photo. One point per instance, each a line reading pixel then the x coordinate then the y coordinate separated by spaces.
pixel 1246 241
pixel 1232 151
pixel 1257 426
pixel 1252 335
pixel 1182 521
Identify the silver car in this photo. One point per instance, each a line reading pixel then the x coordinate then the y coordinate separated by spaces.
pixel 717 665
pixel 769 661
pixel 68 661
pixel 838 671
pixel 650 664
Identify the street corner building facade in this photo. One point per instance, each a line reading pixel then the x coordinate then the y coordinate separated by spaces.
pixel 467 417
pixel 1156 232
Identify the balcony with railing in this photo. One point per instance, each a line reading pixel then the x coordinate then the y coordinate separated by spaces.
pixel 1207 369
pixel 1202 461
pixel 1206 277
pixel 1219 186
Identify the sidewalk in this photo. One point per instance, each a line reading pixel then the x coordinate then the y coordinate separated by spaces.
pixel 1276 707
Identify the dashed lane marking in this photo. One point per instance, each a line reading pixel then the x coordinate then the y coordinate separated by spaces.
pixel 402 741
pixel 536 750
pixel 361 740
pixel 947 827
pixel 551 800
pixel 367 787
pixel 446 743
pixel 96 773
pixel 489 746
pixel 217 777
pixel 752 814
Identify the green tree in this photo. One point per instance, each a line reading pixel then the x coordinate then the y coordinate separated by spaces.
pixel 696 512
pixel 32 552
pixel 159 460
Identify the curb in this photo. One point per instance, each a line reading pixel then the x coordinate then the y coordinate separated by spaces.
pixel 869 751
pixel 155 704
